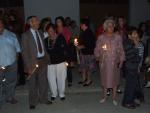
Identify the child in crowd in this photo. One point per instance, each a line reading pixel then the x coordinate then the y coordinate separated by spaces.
pixel 134 56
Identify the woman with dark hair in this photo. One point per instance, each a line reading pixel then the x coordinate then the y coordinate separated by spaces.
pixel 57 70
pixel 63 30
pixel 86 47
pixel 121 27
pixel 43 24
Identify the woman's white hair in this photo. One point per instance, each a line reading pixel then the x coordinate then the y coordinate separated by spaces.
pixel 106 22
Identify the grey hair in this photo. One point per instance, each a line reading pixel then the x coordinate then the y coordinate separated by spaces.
pixel 106 22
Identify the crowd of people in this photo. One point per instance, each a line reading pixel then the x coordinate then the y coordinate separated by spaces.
pixel 48 51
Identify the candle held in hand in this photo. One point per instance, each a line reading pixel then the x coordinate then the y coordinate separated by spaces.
pixel 3 68
pixel 104 47
pixel 66 63
pixel 75 41
pixel 37 65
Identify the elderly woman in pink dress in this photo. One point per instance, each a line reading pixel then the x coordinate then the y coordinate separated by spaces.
pixel 110 54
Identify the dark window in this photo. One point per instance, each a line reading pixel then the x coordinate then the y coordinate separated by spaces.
pixel 11 3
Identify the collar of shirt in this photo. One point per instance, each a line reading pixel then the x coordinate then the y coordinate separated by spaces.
pixel 9 47
pixel 33 31
pixel 4 33
pixel 39 55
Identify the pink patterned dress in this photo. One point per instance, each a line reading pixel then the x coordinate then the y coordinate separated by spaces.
pixel 109 51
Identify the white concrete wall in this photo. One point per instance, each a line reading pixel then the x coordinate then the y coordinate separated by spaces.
pixel 52 8
pixel 139 11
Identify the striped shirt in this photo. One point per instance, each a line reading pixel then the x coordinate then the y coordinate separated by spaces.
pixel 141 52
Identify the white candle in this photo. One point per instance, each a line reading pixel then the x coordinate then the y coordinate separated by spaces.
pixel 37 65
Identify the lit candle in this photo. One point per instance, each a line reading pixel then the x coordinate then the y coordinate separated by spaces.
pixel 4 79
pixel 3 68
pixel 76 44
pixel 104 47
pixel 75 41
pixel 36 66
pixel 66 63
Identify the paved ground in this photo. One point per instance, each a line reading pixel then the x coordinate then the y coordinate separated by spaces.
pixel 79 100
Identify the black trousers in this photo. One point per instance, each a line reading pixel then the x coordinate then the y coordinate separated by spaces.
pixel 131 86
pixel 21 77
pixel 69 74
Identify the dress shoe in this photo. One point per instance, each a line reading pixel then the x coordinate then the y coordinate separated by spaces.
pixel 147 85
pixel 103 100
pixel 82 82
pixel 137 105
pixel 129 106
pixel 53 99
pixel 108 93
pixel 87 84
pixel 119 91
pixel 32 107
pixel 115 102
pixel 12 101
pixel 62 98
pixel 48 102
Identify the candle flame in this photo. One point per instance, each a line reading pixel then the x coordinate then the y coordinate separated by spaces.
pixel 104 47
pixel 36 65
pixel 66 64
pixel 75 40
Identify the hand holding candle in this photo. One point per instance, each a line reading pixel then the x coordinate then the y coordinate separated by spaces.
pixel 104 47
pixel 2 69
pixel 30 74
pixel 77 51
pixel 66 63
pixel 36 66
pixel 76 42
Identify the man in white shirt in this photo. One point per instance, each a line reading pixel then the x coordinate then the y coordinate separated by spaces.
pixel 35 63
